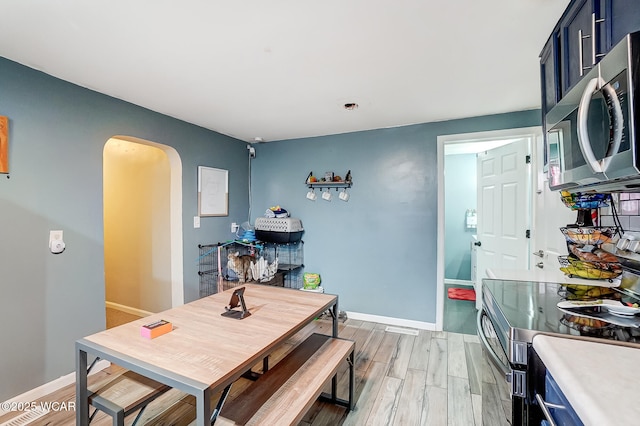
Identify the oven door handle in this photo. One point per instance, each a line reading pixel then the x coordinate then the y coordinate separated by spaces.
pixel 493 357
pixel 544 406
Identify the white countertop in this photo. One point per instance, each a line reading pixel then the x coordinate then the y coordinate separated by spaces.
pixel 545 275
pixel 598 379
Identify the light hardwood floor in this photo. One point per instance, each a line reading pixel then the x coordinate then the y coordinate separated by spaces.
pixel 116 317
pixel 432 378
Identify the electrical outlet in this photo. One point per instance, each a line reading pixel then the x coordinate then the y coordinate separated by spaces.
pixel 56 244
pixel 234 227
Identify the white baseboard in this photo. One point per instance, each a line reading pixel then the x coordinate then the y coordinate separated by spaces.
pixel 459 282
pixel 392 321
pixel 52 386
pixel 128 309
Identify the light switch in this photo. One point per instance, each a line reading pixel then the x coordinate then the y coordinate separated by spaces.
pixel 196 221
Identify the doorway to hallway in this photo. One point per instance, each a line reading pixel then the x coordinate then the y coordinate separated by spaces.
pixel 467 144
pixel 142 226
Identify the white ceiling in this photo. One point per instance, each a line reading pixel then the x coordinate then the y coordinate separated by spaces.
pixel 284 69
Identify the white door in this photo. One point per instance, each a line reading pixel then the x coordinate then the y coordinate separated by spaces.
pixel 503 209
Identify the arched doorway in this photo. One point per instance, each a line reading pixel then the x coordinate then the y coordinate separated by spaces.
pixel 142 226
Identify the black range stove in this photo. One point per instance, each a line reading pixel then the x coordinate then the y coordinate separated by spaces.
pixel 521 309
pixel 513 312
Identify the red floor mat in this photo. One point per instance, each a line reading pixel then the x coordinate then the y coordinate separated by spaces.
pixel 461 294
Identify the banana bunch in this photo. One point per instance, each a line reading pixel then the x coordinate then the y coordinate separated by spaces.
pixel 581 264
pixel 590 273
pixel 580 290
pixel 589 270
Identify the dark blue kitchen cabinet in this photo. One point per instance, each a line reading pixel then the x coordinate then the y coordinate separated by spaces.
pixel 550 73
pixel 585 32
pixel 578 41
pixel 624 18
pixel 559 407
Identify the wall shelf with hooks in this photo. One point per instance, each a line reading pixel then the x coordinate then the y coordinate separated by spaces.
pixel 342 183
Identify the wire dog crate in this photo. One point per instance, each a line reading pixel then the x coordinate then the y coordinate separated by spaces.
pixel 290 261
pixel 275 264
pixel 208 269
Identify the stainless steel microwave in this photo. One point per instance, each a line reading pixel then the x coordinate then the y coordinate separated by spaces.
pixel 591 133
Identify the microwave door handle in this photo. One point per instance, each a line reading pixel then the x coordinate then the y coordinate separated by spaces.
pixel 617 120
pixel 583 134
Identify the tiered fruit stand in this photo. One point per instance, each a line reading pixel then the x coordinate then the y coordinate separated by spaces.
pixel 586 258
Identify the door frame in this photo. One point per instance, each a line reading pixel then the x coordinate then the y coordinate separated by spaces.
pixel 175 220
pixel 535 133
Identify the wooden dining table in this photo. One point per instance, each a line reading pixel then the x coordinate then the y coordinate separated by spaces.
pixel 206 351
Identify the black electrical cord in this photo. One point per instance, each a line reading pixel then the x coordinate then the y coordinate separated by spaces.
pixel 616 219
pixel 250 196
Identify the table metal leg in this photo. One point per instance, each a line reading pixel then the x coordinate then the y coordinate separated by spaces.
pixel 334 389
pixel 352 378
pixel 82 397
pixel 333 397
pixel 334 380
pixel 203 408
pixel 335 319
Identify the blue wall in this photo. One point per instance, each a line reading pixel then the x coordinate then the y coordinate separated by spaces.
pixel 377 251
pixel 57 132
pixel 460 194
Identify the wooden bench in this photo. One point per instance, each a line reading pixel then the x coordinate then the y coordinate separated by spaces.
pixel 124 394
pixel 284 394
